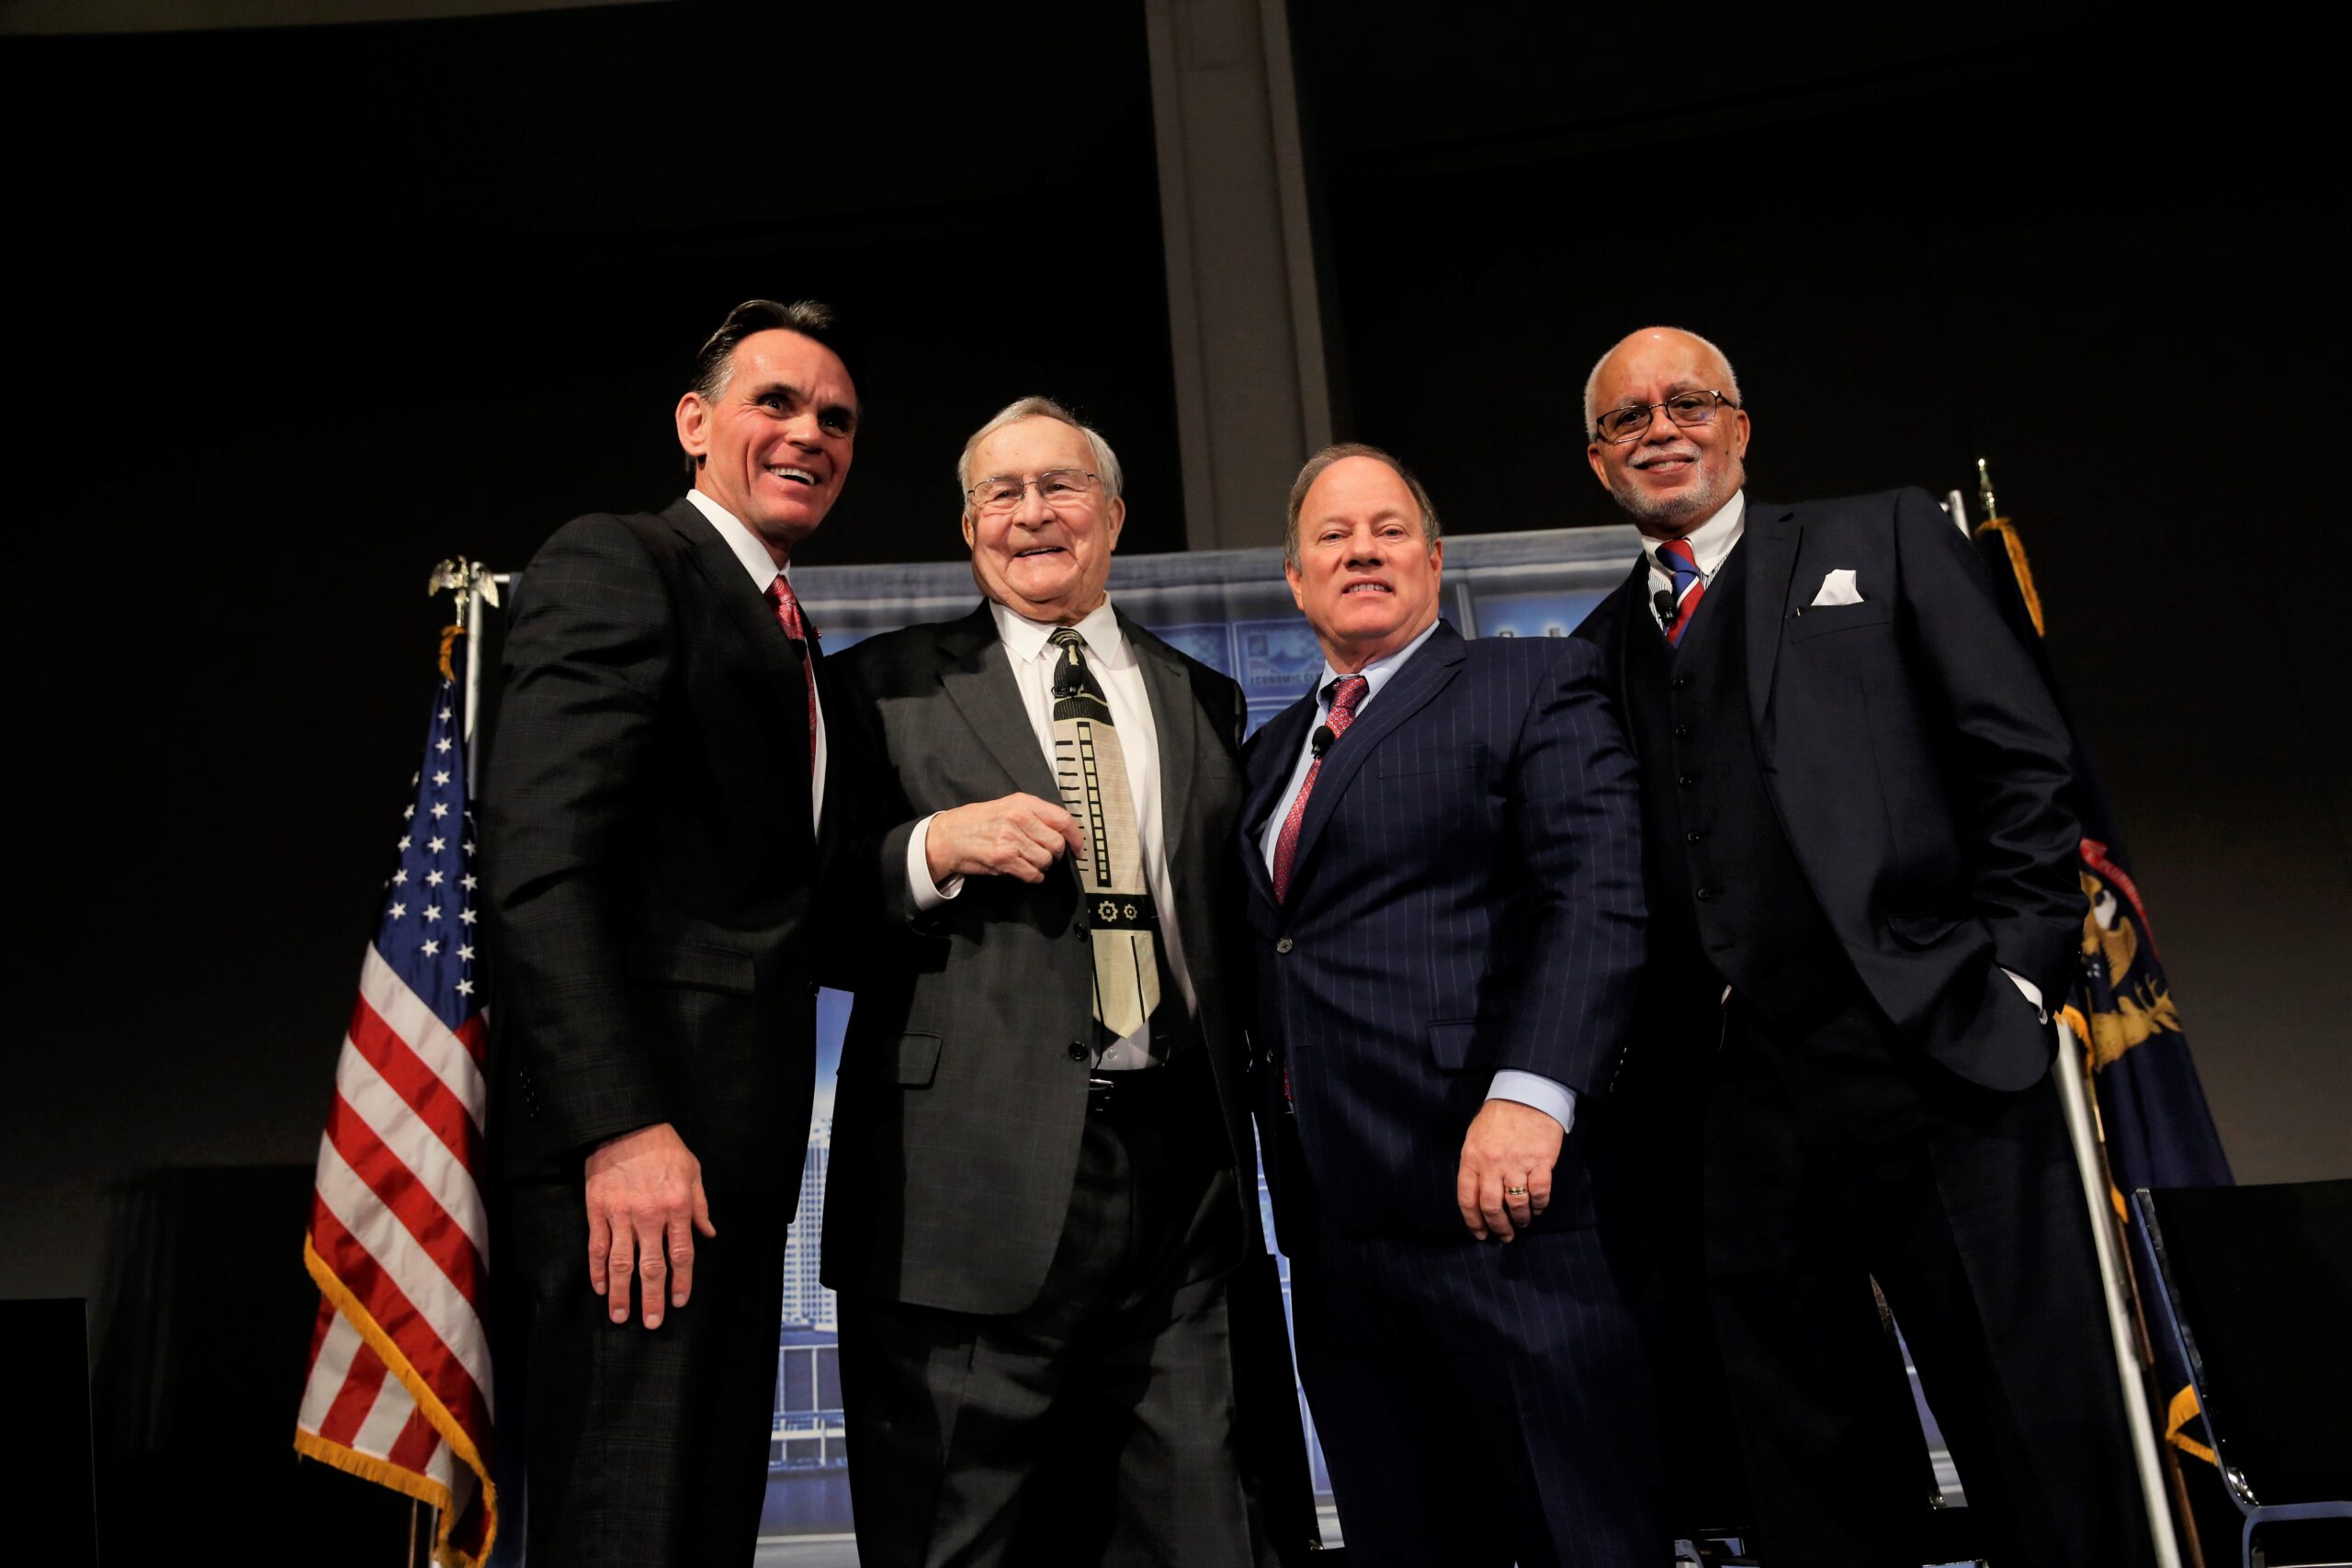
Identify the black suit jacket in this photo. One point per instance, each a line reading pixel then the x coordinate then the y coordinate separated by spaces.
pixel 650 859
pixel 962 1093
pixel 1916 762
pixel 1467 897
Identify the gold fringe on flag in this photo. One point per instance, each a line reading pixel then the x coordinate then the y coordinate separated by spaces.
pixel 2016 547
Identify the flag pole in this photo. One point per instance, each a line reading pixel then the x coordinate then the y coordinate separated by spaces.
pixel 2090 1163
pixel 2117 1287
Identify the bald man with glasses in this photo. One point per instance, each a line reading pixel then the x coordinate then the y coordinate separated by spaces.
pixel 1862 889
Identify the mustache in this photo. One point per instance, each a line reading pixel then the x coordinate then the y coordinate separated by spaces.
pixel 1648 455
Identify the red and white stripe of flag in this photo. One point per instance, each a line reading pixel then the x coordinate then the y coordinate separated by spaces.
pixel 399 1390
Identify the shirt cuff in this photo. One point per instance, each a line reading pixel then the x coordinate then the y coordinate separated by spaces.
pixel 1556 1100
pixel 927 895
pixel 2031 992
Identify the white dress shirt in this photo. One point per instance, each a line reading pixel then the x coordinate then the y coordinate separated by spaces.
pixel 1710 542
pixel 1554 1098
pixel 763 571
pixel 1030 652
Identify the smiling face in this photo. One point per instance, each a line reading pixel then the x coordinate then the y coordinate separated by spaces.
pixel 1367 572
pixel 1049 563
pixel 1670 478
pixel 774 446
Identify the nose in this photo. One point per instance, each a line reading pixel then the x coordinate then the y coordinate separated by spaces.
pixel 1032 510
pixel 1363 548
pixel 804 431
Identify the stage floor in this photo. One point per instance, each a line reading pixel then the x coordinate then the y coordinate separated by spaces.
pixel 840 1551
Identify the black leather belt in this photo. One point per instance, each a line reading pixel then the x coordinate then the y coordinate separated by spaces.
pixel 1142 1091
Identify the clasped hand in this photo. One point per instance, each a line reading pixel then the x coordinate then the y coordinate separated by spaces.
pixel 1015 834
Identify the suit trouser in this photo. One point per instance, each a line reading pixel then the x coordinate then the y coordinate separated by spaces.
pixel 647 1447
pixel 1836 1153
pixel 1482 1402
pixel 1096 1426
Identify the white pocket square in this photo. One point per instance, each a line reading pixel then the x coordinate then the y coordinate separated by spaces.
pixel 1836 588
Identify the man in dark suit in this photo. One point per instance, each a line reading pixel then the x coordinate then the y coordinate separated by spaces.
pixel 651 844
pixel 1041 1213
pixel 1861 891
pixel 1442 849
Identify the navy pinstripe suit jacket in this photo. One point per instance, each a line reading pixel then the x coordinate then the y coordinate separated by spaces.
pixel 1467 897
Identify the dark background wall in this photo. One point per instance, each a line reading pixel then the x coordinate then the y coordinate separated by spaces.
pixel 297 312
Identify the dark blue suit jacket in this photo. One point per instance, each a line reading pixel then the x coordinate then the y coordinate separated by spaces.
pixel 1467 897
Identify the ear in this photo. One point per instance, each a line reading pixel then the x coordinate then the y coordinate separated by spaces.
pixel 1437 557
pixel 1592 456
pixel 968 528
pixel 1115 517
pixel 1739 441
pixel 693 425
pixel 1297 585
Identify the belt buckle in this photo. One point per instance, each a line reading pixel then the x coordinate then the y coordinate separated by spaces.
pixel 1099 1087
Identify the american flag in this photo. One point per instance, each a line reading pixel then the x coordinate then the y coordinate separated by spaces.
pixel 400 1382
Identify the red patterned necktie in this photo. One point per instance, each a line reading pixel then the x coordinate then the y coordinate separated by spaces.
pixel 1688 586
pixel 1346 693
pixel 796 627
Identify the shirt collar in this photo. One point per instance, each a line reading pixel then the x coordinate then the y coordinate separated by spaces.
pixel 1105 643
pixel 1710 541
pixel 1376 672
pixel 747 546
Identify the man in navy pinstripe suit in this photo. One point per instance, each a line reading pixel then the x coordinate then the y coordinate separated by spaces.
pixel 1443 849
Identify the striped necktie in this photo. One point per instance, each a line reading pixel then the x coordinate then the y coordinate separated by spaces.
pixel 1688 586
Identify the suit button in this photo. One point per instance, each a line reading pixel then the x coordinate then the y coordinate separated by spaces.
pixel 1283 946
pixel 1080 932
pixel 1679 681
pixel 1681 730
pixel 1686 781
pixel 1077 1051
pixel 1691 836
pixel 1705 893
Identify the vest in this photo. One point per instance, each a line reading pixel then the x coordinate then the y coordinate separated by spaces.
pixel 1727 894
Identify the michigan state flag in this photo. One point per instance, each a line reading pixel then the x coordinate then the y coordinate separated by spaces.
pixel 2151 1108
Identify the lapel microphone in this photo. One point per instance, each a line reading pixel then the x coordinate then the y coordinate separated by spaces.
pixel 1663 602
pixel 1321 741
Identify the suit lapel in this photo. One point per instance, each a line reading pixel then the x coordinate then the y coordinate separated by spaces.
pixel 1771 538
pixel 978 680
pixel 1274 753
pixel 1175 718
pixel 1633 621
pixel 1408 691
pixel 740 605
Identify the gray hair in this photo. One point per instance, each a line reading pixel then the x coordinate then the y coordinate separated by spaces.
pixel 1592 382
pixel 1430 531
pixel 1106 462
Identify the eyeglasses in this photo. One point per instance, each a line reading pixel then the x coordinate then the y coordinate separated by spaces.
pixel 1686 409
pixel 1057 487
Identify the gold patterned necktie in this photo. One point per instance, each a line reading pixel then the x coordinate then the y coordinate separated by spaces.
pixel 1091 769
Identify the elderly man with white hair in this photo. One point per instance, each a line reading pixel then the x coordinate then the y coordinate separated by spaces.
pixel 1042 1211
pixel 1862 892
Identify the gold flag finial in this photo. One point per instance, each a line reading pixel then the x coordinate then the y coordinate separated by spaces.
pixel 1984 490
pixel 464 578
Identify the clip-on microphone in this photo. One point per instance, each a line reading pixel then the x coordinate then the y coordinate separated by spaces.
pixel 1666 606
pixel 1321 739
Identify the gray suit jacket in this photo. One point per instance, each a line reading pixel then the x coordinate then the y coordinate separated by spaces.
pixel 962 1093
